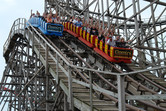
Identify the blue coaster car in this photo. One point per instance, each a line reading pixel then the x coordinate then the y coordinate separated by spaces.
pixel 46 28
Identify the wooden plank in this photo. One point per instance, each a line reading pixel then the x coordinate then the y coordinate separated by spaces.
pixel 133 90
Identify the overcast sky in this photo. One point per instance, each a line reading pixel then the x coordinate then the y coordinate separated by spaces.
pixel 10 10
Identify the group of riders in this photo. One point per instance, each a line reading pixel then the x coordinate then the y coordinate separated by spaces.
pixel 91 26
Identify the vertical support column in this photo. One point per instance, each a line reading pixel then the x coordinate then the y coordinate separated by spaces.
pixel 47 78
pixel 137 31
pixel 57 66
pixel 91 91
pixel 22 79
pixel 94 9
pixel 65 103
pixel 142 55
pixel 72 4
pixel 121 93
pixel 26 73
pixel 67 4
pixel 108 17
pixel 99 12
pixel 10 103
pixel 87 10
pixel 15 105
pixel 116 12
pixel 139 18
pixel 125 25
pixel 155 32
pixel 18 25
pixel 136 23
pixel 102 5
pixel 17 80
pixel 36 88
pixel 70 96
pixel 32 41
pixel 163 44
pixel 84 6
pixel 59 11
pixel 45 6
pixel 14 29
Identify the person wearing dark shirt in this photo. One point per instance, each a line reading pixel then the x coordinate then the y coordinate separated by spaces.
pixel 101 36
pixel 71 20
pixel 93 30
pixel 84 26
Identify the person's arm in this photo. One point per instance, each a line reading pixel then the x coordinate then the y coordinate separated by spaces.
pixel 55 20
pixel 108 41
pixel 106 30
pixel 31 11
pixel 31 14
pixel 97 33
pixel 50 12
pixel 80 24
pixel 128 41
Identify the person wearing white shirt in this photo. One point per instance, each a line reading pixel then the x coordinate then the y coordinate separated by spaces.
pixel 111 41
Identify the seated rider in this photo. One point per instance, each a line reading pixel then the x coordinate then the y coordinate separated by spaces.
pixel 32 14
pixel 74 20
pixel 44 17
pixel 101 36
pixel 84 26
pixel 110 41
pixel 88 28
pixel 78 23
pixel 122 43
pixel 107 36
pixel 63 19
pixel 57 21
pixel 93 30
pixel 54 17
pixel 49 18
pixel 122 40
pixel 117 39
pixel 71 20
pixel 37 14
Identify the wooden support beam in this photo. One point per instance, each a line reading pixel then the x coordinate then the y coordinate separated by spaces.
pixel 122 18
pixel 158 2
pixel 146 97
pixel 151 48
